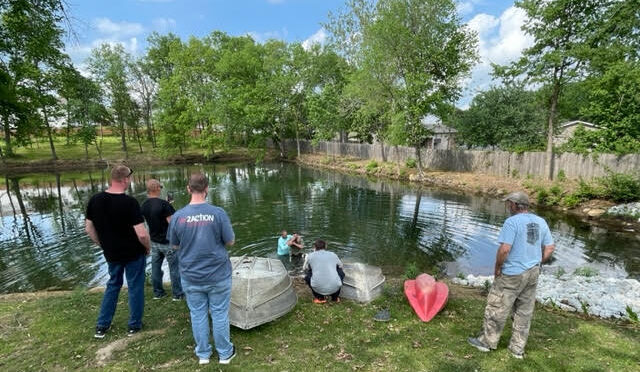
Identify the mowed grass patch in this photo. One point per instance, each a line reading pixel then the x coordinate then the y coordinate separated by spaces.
pixel 56 333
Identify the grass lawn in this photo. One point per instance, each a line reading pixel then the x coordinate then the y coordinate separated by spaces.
pixel 111 150
pixel 54 332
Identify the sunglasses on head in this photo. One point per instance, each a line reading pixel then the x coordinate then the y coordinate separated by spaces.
pixel 130 172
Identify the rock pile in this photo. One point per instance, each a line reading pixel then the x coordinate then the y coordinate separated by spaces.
pixel 629 209
pixel 595 295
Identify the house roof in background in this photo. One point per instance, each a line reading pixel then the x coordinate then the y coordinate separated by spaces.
pixel 578 122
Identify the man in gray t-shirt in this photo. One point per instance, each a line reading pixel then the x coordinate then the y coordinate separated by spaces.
pixel 201 232
pixel 324 273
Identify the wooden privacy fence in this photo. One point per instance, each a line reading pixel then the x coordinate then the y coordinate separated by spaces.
pixel 498 163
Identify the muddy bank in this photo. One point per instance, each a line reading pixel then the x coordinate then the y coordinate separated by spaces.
pixel 592 211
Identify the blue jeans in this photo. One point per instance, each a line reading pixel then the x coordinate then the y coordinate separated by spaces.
pixel 159 252
pixel 203 299
pixel 134 270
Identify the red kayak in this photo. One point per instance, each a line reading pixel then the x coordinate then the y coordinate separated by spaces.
pixel 426 296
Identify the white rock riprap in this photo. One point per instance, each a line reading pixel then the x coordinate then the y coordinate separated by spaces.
pixel 599 296
pixel 629 209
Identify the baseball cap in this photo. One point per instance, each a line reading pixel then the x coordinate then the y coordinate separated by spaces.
pixel 517 197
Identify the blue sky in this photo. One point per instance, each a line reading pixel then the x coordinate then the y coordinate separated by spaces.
pixel 129 22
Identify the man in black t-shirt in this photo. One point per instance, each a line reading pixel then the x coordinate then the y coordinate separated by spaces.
pixel 157 212
pixel 114 222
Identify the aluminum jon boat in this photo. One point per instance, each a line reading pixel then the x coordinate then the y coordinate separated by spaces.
pixel 362 282
pixel 261 291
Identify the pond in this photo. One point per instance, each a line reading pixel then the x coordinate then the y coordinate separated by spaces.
pixel 390 224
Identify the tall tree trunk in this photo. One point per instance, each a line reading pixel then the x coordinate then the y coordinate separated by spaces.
pixel 123 140
pixel 137 133
pixel 7 136
pixel 149 124
pixel 98 149
pixel 49 133
pixel 552 114
pixel 68 124
pixel 86 152
pixel 419 158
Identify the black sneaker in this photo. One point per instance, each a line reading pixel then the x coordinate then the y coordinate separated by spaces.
pixel 132 331
pixel 228 360
pixel 100 332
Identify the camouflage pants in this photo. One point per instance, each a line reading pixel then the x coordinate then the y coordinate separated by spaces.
pixel 517 292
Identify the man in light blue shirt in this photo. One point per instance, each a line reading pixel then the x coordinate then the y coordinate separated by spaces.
pixel 522 239
pixel 284 243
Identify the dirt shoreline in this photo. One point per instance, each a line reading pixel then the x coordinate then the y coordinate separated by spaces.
pixel 474 183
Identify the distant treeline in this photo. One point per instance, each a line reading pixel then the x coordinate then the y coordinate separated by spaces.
pixel 387 64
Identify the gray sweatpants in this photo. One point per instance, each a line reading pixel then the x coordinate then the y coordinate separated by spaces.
pixel 517 292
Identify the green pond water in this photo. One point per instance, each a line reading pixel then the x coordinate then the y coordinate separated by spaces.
pixel 384 223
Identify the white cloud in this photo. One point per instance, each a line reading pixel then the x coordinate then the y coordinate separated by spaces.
pixel 319 37
pixel 261 37
pixel 466 7
pixel 79 53
pixel 113 29
pixel 110 32
pixel 501 41
pixel 164 25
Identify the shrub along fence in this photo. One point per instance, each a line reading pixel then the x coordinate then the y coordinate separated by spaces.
pixel 498 163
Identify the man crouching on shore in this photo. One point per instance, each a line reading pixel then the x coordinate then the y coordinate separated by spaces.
pixel 516 276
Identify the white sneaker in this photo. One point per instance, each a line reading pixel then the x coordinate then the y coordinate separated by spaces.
pixel 203 361
pixel 228 360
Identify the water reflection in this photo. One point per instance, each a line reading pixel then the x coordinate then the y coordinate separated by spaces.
pixel 390 224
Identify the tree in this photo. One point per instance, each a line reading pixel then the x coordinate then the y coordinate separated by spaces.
pixel 327 104
pixel 146 90
pixel 614 104
pixel 30 64
pixel 563 31
pixel 413 53
pixel 509 117
pixel 109 65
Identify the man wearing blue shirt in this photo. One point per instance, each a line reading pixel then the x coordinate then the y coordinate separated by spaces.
pixel 522 240
pixel 284 243
pixel 201 232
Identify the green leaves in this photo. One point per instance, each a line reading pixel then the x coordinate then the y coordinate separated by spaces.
pixel 410 57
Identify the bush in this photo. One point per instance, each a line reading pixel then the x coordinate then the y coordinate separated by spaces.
pixel 372 165
pixel 542 196
pixel 621 187
pixel 561 177
pixel 571 200
pixel 411 271
pixel 411 163
pixel 515 173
